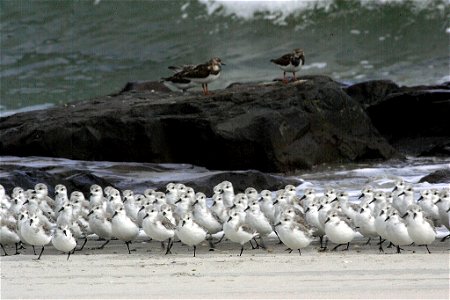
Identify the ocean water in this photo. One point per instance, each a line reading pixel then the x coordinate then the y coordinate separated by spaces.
pixel 54 52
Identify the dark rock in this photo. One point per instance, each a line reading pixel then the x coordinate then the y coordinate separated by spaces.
pixel 415 120
pixel 268 127
pixel 142 86
pixel 439 176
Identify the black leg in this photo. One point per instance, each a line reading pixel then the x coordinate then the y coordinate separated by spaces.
pixel 169 244
pixel 368 241
pixel 17 251
pixel 34 250
pixel 381 245
pixel 348 245
pixel 128 247
pixel 321 241
pixel 68 255
pixel 390 245
pixel 445 237
pixel 335 248
pixel 279 241
pixel 210 242
pixel 104 244
pixel 21 246
pixel 242 250
pixel 163 245
pixel 41 253
pixel 426 246
pixel 300 252
pixel 291 251
pixel 220 239
pixel 85 241
pixel 6 254
pixel 398 249
pixel 195 247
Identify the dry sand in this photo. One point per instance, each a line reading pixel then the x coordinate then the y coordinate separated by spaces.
pixel 361 272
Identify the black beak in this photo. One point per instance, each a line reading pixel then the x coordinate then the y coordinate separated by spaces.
pixel 233 206
pixel 404 215
pixel 328 219
pixel 373 200
pixel 115 213
pixel 214 203
pixel 146 215
pixel 307 209
pixel 320 207
pixel 248 207
pixel 415 215
pixel 402 193
pixel 439 200
pixel 420 198
pixel 387 218
pixel 31 221
pixel 229 219
pixel 360 196
pixel 182 224
pixel 65 233
pixel 61 209
pixel 279 223
pixel 178 201
pixel 90 213
pixel 334 200
pixel 275 202
pixel 362 210
pixel 260 199
pixel 395 188
pixel 142 207
pixel 26 202
pixel 196 201
pixel 303 197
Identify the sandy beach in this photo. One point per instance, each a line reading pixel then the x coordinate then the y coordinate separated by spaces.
pixel 361 272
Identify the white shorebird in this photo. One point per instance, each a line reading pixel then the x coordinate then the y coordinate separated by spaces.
pixel 257 220
pixel 338 229
pixel 189 232
pixel 206 218
pixel 159 228
pixel 100 224
pixel 397 232
pixel 35 234
pixel 63 240
pixel 237 232
pixel 420 229
pixel 8 234
pixel 294 235
pixel 123 228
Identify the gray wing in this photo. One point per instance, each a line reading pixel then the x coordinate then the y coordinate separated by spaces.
pixel 166 223
pixel 248 229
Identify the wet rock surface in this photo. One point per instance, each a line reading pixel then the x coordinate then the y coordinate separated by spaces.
pixel 270 127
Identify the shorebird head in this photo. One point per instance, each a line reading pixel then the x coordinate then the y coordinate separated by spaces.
pixel 216 61
pixel 298 52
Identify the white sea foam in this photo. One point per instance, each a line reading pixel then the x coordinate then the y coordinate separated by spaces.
pixel 279 10
pixel 7 113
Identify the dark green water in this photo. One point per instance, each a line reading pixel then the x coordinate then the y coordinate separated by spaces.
pixel 54 52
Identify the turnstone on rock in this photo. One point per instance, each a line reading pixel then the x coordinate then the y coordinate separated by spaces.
pixel 203 73
pixel 290 62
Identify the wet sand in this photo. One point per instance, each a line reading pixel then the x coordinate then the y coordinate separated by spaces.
pixel 362 272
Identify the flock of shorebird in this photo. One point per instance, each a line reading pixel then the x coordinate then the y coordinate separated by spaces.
pixel 188 76
pixel 32 217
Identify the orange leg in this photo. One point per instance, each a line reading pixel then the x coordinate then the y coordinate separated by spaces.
pixel 284 78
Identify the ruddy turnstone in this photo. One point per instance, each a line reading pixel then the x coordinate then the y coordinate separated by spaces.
pixel 290 62
pixel 203 73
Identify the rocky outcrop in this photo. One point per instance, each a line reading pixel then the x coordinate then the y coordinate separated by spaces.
pixel 269 127
pixel 439 176
pixel 415 120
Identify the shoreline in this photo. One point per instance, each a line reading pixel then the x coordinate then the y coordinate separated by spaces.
pixel 361 272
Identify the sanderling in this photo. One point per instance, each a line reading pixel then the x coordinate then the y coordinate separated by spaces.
pixel 159 228
pixel 63 240
pixel 396 231
pixel 339 229
pixel 237 232
pixel 35 234
pixel 123 228
pixel 189 232
pixel 420 229
pixel 294 235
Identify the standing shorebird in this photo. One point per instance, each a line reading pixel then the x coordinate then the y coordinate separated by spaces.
pixel 290 62
pixel 197 74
